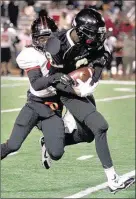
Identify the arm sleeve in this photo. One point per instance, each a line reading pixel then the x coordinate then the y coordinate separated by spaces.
pixel 101 62
pixel 37 81
pixel 96 75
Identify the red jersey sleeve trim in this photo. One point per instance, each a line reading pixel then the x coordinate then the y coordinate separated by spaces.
pixel 33 68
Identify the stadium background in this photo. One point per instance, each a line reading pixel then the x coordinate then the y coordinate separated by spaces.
pixel 22 175
pixel 119 17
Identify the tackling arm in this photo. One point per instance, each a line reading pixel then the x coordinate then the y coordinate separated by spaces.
pixel 39 82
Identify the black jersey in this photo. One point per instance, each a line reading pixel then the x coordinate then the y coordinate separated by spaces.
pixel 73 56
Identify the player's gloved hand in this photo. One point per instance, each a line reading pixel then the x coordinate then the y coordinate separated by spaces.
pixel 100 61
pixel 84 89
pixel 66 80
pixel 103 61
pixel 61 78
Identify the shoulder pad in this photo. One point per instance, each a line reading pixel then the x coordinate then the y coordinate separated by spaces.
pixel 28 58
pixel 53 45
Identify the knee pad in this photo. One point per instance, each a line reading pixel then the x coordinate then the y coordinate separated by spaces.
pixel 96 123
pixel 56 155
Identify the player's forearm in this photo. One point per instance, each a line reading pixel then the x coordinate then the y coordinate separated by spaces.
pixel 38 81
pixel 96 75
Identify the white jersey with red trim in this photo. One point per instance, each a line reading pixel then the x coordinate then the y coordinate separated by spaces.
pixel 30 58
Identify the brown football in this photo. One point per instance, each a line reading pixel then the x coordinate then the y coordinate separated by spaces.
pixel 82 73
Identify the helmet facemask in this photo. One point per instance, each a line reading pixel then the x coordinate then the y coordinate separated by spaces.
pixel 40 40
pixel 94 39
pixel 90 28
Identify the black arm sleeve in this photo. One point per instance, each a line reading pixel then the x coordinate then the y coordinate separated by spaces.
pixel 39 82
pixel 96 75
pixel 100 63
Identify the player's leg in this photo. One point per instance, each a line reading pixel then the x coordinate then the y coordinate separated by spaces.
pixel 82 133
pixel 24 123
pixel 6 60
pixel 53 130
pixel 75 133
pixel 85 112
pixel 78 135
pixel 98 125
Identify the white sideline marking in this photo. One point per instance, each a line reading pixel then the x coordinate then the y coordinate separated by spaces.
pixel 97 100
pixel 124 89
pixel 12 85
pixel 84 157
pixel 97 188
pixel 14 153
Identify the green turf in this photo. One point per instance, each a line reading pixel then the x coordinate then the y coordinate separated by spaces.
pixel 22 175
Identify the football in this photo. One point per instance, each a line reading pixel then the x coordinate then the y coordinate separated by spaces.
pixel 83 74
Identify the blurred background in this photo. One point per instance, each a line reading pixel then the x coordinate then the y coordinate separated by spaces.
pixel 17 16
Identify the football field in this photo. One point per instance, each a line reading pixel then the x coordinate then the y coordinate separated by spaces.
pixel 79 173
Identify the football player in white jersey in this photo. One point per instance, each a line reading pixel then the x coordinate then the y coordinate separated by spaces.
pixel 42 100
pixel 43 108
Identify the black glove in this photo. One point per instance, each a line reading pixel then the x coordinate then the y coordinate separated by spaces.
pixel 61 78
pixel 102 61
pixel 99 62
pixel 66 80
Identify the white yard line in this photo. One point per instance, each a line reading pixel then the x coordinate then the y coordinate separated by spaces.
pixel 97 100
pixel 96 188
pixel 13 85
pixel 22 96
pixel 102 81
pixel 15 78
pixel 124 89
pixel 117 82
pixel 84 157
pixel 10 110
pixel 115 98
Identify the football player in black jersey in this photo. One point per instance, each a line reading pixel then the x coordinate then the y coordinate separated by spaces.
pixel 80 46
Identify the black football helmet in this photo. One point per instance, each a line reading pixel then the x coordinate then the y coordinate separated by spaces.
pixel 42 27
pixel 90 28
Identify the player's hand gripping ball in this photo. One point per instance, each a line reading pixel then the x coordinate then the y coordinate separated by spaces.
pixel 82 73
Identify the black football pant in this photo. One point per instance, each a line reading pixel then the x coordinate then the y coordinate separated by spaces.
pixel 52 128
pixel 84 111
